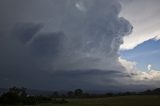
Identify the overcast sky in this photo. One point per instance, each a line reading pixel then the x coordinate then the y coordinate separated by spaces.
pixel 68 44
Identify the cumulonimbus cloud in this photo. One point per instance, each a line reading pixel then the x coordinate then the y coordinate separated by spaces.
pixel 81 44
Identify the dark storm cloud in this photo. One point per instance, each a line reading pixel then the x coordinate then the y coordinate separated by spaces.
pixel 47 44
pixel 25 31
pixel 16 61
pixel 74 44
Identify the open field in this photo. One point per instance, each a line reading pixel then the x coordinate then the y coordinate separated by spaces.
pixel 113 101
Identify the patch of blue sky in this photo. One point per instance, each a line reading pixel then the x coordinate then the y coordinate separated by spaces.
pixel 144 54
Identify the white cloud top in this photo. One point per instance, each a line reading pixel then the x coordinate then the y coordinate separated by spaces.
pixel 149 67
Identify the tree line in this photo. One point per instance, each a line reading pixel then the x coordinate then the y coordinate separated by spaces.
pixel 18 96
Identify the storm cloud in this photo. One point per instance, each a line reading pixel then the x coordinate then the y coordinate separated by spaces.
pixel 58 44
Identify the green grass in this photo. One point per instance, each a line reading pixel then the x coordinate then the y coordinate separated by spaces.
pixel 113 101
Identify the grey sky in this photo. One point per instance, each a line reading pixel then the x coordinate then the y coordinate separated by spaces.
pixel 145 20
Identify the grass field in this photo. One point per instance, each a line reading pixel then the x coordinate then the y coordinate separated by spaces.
pixel 113 101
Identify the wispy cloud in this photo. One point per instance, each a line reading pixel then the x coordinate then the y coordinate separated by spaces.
pixel 145 22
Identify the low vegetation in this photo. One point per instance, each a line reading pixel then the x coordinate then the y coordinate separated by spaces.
pixel 18 96
pixel 138 100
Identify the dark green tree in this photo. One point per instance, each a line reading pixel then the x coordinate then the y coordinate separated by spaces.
pixel 70 94
pixel 55 94
pixel 78 92
pixel 14 96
